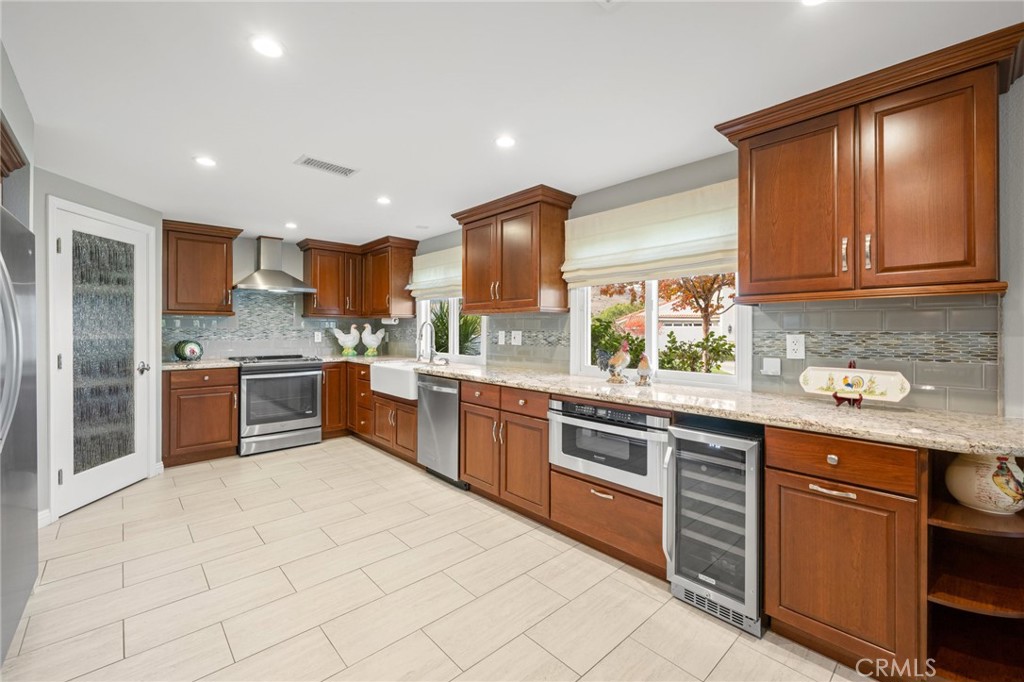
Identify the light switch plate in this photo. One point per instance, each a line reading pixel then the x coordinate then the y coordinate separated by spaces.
pixel 318 337
pixel 501 338
pixel 771 367
pixel 794 346
pixel 517 338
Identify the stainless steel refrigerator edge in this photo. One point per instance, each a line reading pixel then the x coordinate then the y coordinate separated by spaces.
pixel 437 434
pixel 19 516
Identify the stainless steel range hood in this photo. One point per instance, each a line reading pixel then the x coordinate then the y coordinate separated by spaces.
pixel 269 276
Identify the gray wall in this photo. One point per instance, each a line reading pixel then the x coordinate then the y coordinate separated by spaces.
pixel 440 242
pixel 15 108
pixel 50 184
pixel 1011 238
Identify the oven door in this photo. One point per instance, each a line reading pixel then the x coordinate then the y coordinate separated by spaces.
pixel 628 456
pixel 276 402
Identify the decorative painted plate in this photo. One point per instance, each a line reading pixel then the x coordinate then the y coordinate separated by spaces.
pixel 189 351
pixel 889 387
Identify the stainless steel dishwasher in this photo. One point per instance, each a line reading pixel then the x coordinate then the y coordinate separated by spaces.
pixel 437 444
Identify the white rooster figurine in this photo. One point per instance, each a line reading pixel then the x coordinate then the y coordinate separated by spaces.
pixel 348 340
pixel 372 339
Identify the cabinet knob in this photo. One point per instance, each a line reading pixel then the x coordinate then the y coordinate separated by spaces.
pixel 362 395
pixel 832 459
pixel 521 403
pixel 476 394
pixel 206 377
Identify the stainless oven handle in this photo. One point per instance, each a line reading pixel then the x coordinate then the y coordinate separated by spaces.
pixel 314 373
pixel 667 502
pixel 639 432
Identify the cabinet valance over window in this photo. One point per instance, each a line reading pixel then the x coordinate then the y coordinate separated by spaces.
pixel 437 274
pixel 690 233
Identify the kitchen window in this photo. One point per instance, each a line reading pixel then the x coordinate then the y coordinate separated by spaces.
pixel 459 337
pixel 688 327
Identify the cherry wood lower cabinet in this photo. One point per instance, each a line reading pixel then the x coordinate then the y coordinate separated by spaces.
pixel 841 565
pixel 333 398
pixel 200 418
pixel 480 456
pixel 524 462
pixel 394 426
pixel 360 400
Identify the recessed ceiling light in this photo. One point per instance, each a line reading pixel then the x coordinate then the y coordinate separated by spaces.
pixel 291 226
pixel 205 161
pixel 812 3
pixel 505 141
pixel 267 46
pixel 383 201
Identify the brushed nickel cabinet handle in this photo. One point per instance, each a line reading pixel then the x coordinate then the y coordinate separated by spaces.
pixel 832 459
pixel 235 396
pixel 387 300
pixel 497 290
pixel 348 306
pixel 492 291
pixel 846 241
pixel 867 252
pixel 603 496
pixel 494 427
pixel 229 296
pixel 314 301
pixel 501 433
pixel 833 493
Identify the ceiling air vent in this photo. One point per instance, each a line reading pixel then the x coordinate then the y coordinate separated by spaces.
pixel 325 166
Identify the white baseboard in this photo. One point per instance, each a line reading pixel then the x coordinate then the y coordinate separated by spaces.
pixel 158 469
pixel 44 518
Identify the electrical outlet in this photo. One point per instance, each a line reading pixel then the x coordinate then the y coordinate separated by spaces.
pixel 318 337
pixel 771 367
pixel 501 338
pixel 794 346
pixel 517 338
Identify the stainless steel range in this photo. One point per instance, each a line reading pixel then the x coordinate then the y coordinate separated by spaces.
pixel 280 402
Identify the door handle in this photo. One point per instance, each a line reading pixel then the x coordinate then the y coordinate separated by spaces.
pixel 666 503
pixel 494 428
pixel 235 396
pixel 387 303
pixel 867 252
pixel 501 433
pixel 391 418
pixel 492 291
pixel 314 300
pixel 497 290
pixel 229 296
pixel 143 367
pixel 603 496
pixel 846 241
pixel 833 493
pixel 12 342
pixel 347 305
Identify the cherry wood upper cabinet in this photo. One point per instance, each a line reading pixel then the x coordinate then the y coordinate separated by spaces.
pixel 197 268
pixel 512 253
pixel 324 266
pixel 796 226
pixel 353 284
pixel 387 269
pixel 928 202
pixel 912 184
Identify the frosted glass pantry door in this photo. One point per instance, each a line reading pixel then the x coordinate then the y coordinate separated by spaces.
pixel 101 333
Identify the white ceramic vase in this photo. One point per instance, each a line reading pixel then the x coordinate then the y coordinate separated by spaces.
pixel 993 484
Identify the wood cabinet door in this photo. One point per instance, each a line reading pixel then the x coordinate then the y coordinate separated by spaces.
pixel 353 284
pixel 335 417
pixel 203 419
pixel 405 431
pixel 383 430
pixel 377 283
pixel 479 266
pixel 478 447
pixel 518 258
pixel 796 208
pixel 927 198
pixel 197 273
pixel 352 395
pixel 327 275
pixel 841 564
pixel 524 462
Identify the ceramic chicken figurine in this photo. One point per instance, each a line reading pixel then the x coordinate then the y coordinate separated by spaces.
pixel 643 371
pixel 348 340
pixel 372 339
pixel 617 363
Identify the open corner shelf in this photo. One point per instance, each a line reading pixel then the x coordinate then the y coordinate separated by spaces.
pixel 966 520
pixel 973 647
pixel 977 580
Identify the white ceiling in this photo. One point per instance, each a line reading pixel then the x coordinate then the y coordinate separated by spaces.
pixel 413 96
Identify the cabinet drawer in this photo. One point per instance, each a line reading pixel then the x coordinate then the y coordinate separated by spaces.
pixel 487 395
pixel 362 372
pixel 614 518
pixel 872 465
pixel 364 420
pixel 364 395
pixel 197 378
pixel 529 403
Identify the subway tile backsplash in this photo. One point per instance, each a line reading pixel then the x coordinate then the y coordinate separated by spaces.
pixel 947 346
pixel 266 323
pixel 545 341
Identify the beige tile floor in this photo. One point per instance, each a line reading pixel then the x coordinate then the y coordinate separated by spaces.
pixel 340 562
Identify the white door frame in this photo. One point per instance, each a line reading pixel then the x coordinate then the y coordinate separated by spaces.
pixel 151 283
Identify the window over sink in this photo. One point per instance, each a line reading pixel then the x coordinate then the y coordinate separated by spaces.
pixel 459 337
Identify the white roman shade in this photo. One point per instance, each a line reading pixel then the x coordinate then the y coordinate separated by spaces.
pixel 437 274
pixel 690 233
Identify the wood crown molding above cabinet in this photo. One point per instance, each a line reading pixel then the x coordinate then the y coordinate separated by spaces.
pixel 512 253
pixel 1004 47
pixel 883 186
pixel 11 158
pixel 197 268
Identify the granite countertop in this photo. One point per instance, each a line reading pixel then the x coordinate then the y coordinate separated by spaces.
pixel 218 363
pixel 932 429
